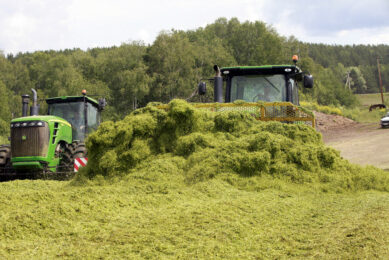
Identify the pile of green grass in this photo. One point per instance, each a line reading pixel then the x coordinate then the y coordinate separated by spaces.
pixel 232 146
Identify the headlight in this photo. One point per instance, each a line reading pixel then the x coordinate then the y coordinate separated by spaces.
pixel 39 124
pixel 24 124
pixel 32 124
pixel 17 124
pixel 12 125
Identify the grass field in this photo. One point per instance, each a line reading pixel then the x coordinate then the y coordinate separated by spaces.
pixel 362 114
pixel 370 99
pixel 139 218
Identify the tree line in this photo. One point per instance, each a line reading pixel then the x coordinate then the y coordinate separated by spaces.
pixel 135 73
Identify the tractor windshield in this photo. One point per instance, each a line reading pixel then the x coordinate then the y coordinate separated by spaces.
pixel 73 112
pixel 252 88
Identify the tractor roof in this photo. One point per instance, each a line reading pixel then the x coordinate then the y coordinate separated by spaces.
pixel 65 99
pixel 267 69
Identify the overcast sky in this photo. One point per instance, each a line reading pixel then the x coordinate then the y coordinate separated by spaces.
pixel 30 25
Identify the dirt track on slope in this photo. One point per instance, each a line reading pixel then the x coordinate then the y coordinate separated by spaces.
pixel 359 143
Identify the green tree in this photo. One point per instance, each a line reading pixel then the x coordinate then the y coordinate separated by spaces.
pixel 358 82
pixel 129 88
pixel 251 43
pixel 5 113
pixel 171 61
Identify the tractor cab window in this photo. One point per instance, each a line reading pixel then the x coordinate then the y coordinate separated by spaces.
pixel 93 118
pixel 295 93
pixel 73 112
pixel 253 88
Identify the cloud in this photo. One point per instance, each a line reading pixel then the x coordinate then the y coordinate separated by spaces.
pixel 331 16
pixel 29 25
pixel 331 21
pixel 364 36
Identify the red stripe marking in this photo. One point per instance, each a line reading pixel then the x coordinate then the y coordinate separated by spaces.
pixel 80 162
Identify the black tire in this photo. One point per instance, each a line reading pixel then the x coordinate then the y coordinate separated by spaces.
pixel 5 154
pixel 71 151
pixel 66 159
pixel 79 150
pixel 6 172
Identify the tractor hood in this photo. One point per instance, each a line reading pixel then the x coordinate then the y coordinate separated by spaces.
pixel 29 120
pixel 34 140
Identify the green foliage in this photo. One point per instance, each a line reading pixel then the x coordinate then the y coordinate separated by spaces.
pixel 331 110
pixel 358 82
pixel 360 60
pixel 362 114
pixel 5 114
pixel 251 43
pixel 212 145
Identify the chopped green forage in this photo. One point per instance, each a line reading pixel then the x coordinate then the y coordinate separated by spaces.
pixel 200 145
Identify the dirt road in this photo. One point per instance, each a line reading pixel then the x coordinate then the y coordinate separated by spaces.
pixel 359 143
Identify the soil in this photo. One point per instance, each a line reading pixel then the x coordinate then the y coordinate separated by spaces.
pixel 364 144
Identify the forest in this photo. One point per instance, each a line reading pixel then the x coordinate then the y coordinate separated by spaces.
pixel 134 73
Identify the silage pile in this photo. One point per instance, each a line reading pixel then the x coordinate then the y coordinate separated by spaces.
pixel 201 145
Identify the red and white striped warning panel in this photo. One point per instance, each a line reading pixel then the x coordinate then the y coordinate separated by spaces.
pixel 80 162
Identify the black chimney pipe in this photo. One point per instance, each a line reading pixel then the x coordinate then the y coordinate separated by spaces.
pixel 25 101
pixel 218 85
pixel 34 109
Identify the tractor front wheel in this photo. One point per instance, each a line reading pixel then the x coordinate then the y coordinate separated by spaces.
pixel 69 153
pixel 5 162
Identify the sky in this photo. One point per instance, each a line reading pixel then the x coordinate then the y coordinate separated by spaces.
pixel 31 25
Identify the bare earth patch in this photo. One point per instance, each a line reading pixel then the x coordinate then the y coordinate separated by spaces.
pixel 359 143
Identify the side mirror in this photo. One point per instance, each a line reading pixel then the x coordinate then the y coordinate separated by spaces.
pixel 102 103
pixel 202 88
pixel 308 81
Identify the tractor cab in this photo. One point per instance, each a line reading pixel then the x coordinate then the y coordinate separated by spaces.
pixel 270 83
pixel 82 112
pixel 262 83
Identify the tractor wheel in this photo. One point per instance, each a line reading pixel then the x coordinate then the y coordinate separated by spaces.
pixel 79 150
pixel 5 154
pixel 65 169
pixel 5 162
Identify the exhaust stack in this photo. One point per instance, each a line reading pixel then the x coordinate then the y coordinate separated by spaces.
pixel 25 101
pixel 218 86
pixel 34 109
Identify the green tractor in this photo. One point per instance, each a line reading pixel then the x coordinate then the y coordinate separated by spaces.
pixel 52 143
